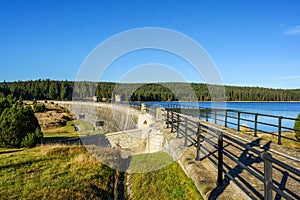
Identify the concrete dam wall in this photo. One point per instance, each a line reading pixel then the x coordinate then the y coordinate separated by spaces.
pixel 130 129
pixel 112 117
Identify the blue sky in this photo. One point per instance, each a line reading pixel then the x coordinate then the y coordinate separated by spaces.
pixel 253 43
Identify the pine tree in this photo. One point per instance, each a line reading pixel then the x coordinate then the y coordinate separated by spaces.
pixel 297 127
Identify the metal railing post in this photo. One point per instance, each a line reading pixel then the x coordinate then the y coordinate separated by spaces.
pixel 186 131
pixel 239 121
pixel 172 122
pixel 226 115
pixel 268 181
pixel 199 113
pixel 215 112
pixel 177 122
pixel 220 160
pixel 177 126
pixel 255 125
pixel 279 130
pixel 168 118
pixel 198 142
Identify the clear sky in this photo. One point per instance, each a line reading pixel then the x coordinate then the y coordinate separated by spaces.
pixel 252 42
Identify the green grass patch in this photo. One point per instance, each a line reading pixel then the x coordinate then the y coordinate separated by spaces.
pixel 68 131
pixel 169 182
pixel 84 126
pixel 53 172
pixel 149 162
pixel 70 172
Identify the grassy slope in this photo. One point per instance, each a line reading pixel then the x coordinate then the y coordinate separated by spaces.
pixel 51 172
pixel 169 182
pixel 62 172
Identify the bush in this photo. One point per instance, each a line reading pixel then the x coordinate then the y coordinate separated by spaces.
pixel 297 127
pixel 32 139
pixel 39 108
pixel 19 127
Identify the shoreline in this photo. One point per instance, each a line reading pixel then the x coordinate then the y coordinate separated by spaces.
pixel 221 101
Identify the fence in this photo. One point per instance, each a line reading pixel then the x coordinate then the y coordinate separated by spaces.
pixel 234 119
pixel 196 133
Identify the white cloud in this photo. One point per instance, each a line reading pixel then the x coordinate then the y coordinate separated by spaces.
pixel 293 30
pixel 287 77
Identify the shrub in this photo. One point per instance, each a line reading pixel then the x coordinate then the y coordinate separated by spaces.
pixel 297 127
pixel 39 108
pixel 32 139
pixel 19 127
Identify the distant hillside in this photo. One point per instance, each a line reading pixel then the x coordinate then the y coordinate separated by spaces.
pixel 104 91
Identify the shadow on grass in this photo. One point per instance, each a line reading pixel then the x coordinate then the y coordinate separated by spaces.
pixel 56 139
pixel 26 162
pixel 10 151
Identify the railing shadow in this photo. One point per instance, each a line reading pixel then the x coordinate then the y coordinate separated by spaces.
pixel 247 159
pixel 255 161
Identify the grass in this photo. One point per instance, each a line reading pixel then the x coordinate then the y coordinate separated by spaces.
pixel 4 150
pixel 53 172
pixel 290 144
pixel 149 162
pixel 68 131
pixel 169 182
pixel 70 172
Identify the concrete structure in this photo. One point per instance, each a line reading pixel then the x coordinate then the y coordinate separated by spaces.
pixel 119 98
pixel 145 133
pixel 133 130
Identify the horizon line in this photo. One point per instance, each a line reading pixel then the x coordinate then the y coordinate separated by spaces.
pixel 115 82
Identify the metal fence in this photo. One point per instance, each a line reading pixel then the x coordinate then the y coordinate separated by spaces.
pixel 235 119
pixel 196 133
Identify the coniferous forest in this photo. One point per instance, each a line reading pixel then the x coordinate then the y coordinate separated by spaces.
pixel 105 91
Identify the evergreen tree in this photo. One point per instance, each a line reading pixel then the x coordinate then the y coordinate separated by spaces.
pixel 297 127
pixel 19 127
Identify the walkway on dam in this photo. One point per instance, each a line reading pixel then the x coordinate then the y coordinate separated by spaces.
pixel 238 175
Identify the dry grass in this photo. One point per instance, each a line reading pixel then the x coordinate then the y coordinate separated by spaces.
pixel 287 143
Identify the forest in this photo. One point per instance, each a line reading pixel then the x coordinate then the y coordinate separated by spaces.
pixel 173 91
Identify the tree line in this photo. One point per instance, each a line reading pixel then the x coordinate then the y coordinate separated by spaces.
pixel 105 91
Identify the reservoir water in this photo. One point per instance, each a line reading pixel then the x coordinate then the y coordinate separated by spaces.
pixel 284 109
